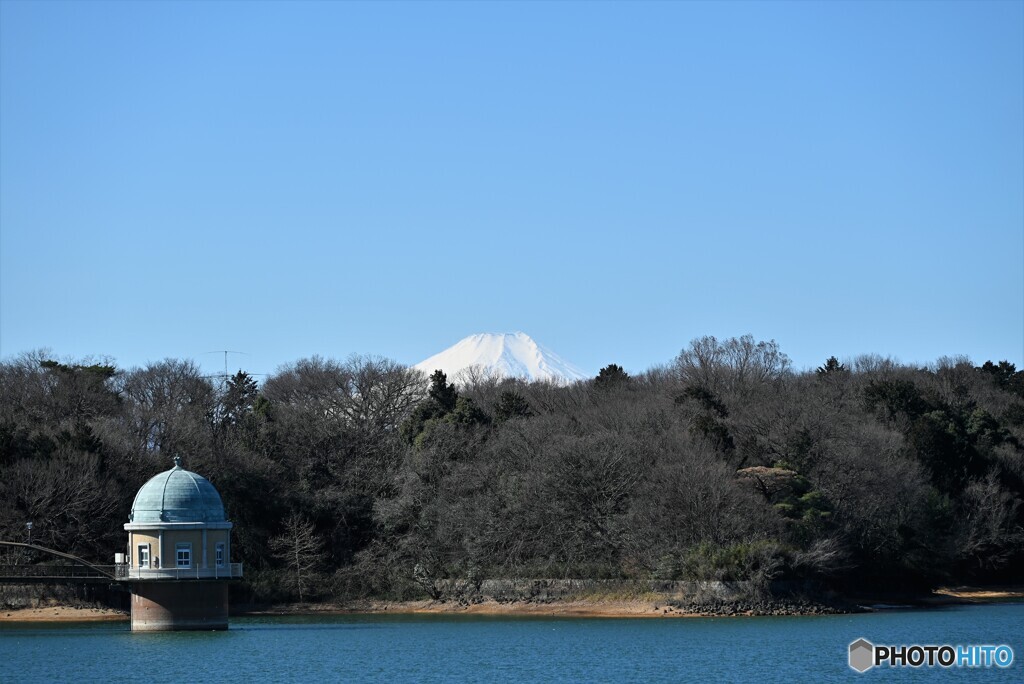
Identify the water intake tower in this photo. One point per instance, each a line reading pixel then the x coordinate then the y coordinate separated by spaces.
pixel 179 550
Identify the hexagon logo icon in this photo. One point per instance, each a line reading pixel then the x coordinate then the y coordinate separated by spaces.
pixel 862 655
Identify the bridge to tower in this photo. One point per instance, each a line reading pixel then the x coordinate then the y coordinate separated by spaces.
pixel 72 570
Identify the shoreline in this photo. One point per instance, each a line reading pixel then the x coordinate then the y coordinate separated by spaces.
pixel 588 607
pixel 62 614
pixel 574 608
pixel 981 594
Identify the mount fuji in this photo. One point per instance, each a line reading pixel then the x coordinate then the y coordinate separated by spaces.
pixel 505 355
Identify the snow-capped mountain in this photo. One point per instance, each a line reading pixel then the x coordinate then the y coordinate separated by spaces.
pixel 506 355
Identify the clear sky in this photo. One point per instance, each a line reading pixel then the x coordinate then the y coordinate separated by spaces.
pixel 289 179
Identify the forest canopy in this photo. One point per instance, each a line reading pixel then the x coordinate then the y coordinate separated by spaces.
pixel 724 463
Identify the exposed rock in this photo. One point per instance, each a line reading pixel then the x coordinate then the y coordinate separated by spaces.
pixel 760 607
pixel 776 484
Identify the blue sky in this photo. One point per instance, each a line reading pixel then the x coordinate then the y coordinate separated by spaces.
pixel 613 179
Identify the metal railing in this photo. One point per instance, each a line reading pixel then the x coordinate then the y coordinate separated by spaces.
pixel 56 571
pixel 227 571
pixel 91 571
pixel 78 569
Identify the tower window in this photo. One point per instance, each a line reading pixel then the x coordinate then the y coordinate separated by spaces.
pixel 184 555
pixel 220 554
pixel 143 555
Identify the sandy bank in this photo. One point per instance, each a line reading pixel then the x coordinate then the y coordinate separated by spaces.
pixel 596 607
pixel 982 594
pixel 650 605
pixel 61 614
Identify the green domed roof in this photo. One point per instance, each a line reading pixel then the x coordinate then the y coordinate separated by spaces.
pixel 177 495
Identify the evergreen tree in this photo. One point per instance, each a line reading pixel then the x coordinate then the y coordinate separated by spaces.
pixel 239 397
pixel 512 405
pixel 832 367
pixel 467 413
pixel 610 377
pixel 1005 375
pixel 442 392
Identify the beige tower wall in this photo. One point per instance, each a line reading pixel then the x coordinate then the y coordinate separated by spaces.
pixel 137 538
pixel 212 537
pixel 172 538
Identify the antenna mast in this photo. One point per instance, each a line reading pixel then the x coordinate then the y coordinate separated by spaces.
pixel 225 352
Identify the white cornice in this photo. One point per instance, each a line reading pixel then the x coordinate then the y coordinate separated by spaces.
pixel 134 527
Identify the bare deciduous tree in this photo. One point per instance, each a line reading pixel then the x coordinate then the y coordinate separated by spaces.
pixel 731 364
pixel 299 548
pixel 168 406
pixel 988 530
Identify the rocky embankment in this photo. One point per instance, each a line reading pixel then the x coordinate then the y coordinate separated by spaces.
pixel 736 607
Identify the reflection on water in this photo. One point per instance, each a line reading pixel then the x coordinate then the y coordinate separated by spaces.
pixel 488 648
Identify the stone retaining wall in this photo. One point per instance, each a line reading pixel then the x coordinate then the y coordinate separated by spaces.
pixel 545 590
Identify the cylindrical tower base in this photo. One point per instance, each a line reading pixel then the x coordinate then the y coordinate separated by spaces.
pixel 161 606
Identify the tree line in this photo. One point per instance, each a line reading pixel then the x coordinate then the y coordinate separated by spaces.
pixel 364 477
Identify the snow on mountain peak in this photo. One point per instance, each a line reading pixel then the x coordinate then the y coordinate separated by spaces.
pixel 506 355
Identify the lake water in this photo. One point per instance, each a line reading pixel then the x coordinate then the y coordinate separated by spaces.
pixel 444 648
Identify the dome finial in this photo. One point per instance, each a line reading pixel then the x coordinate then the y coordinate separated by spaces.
pixel 177 461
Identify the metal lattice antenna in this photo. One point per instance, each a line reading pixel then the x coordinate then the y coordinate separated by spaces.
pixel 224 376
pixel 225 352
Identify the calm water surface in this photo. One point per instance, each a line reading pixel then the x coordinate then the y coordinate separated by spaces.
pixel 484 649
